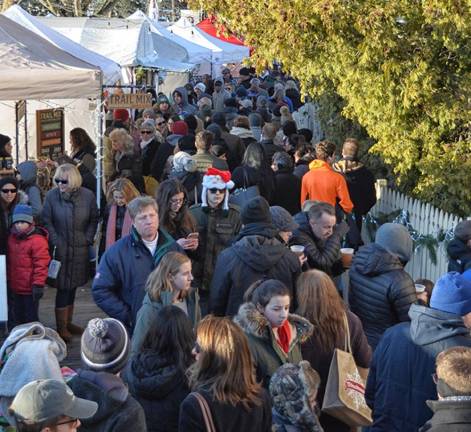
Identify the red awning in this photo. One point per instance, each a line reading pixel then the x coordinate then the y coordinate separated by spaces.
pixel 208 26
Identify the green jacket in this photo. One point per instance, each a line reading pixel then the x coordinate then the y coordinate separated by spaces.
pixel 267 354
pixel 148 313
pixel 217 228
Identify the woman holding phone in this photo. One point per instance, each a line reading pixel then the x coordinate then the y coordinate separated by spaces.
pixel 175 216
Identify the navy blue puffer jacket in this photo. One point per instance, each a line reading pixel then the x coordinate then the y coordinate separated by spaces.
pixel 381 291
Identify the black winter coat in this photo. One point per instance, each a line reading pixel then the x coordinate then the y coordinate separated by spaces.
pixel 71 220
pixel 226 417
pixel 245 176
pixel 130 166
pixel 320 358
pixel 450 415
pixel 269 149
pixel 117 410
pixel 251 258
pixel 287 193
pixel 147 156
pixel 381 291
pixel 321 255
pixel 460 256
pixel 360 183
pixel 400 378
pixel 159 386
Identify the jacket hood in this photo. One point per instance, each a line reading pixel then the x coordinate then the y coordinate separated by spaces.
pixel 317 163
pixel 432 325
pixel 152 377
pixel 241 132
pixel 106 389
pixel 260 253
pixel 457 248
pixel 184 93
pixel 302 220
pixel 347 166
pixel 28 171
pixel 252 322
pixel 173 139
pixel 373 260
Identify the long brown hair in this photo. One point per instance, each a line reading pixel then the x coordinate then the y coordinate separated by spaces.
pixel 159 279
pixel 320 303
pixel 224 367
pixel 183 222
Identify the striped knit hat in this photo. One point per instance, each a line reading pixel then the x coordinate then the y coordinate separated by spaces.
pixel 105 345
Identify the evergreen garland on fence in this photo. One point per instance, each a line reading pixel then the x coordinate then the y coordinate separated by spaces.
pixel 428 241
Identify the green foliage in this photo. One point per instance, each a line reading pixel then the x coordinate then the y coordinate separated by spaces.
pixel 402 68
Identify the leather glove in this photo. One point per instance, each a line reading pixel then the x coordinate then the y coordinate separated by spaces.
pixel 38 292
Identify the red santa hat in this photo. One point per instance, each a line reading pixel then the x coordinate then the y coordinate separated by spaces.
pixel 218 179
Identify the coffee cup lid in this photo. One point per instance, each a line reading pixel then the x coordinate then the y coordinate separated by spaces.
pixel 419 288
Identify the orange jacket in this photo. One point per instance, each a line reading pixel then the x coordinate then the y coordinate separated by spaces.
pixel 322 183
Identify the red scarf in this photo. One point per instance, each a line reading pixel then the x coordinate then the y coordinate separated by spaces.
pixel 284 336
pixel 111 226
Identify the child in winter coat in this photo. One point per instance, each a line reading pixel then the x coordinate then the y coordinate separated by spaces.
pixel 293 390
pixel 27 264
pixel 275 335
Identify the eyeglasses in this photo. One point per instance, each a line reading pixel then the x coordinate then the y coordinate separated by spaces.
pixel 215 190
pixel 61 181
pixel 7 191
pixel 146 132
pixel 177 201
pixel 160 123
pixel 74 421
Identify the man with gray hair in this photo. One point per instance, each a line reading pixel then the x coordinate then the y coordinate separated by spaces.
pixel 118 287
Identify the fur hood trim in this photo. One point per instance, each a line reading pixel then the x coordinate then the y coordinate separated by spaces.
pixel 251 321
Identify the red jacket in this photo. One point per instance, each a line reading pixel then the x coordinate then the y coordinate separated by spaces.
pixel 27 260
pixel 322 183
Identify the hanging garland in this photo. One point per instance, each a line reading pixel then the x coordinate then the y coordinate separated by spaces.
pixel 428 241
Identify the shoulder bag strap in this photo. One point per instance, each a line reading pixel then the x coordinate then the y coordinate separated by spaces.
pixel 208 418
pixel 246 178
pixel 348 347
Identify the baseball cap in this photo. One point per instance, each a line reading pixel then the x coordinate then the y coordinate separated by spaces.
pixel 41 400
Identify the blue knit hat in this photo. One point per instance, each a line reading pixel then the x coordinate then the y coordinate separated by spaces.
pixel 452 293
pixel 22 213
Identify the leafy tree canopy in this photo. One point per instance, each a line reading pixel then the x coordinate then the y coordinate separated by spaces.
pixel 402 67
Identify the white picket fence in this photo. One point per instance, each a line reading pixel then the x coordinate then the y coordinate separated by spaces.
pixel 425 219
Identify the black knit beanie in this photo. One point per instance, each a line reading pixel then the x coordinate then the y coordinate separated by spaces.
pixel 256 210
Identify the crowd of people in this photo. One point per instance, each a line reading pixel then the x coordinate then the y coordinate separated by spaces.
pixel 217 255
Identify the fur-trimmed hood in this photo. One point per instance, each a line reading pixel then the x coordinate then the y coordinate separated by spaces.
pixel 252 322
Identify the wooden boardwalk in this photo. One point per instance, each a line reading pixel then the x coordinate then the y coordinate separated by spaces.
pixel 84 310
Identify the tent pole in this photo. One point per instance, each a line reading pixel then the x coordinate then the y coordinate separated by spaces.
pixel 99 165
pixel 26 129
pixel 17 130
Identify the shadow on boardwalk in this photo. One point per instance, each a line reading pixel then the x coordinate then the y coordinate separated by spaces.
pixel 84 310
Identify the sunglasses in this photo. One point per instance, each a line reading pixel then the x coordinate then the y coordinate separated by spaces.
pixel 61 181
pixel 160 123
pixel 6 191
pixel 214 190
pixel 146 132
pixel 75 420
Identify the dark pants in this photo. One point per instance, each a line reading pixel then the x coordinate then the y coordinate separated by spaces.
pixel 25 309
pixel 65 298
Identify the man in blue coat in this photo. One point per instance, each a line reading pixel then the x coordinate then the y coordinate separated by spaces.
pixel 118 287
pixel 400 378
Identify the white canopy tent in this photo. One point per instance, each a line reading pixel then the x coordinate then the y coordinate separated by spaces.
pixel 33 68
pixel 222 52
pixel 129 43
pixel 195 54
pixel 111 70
